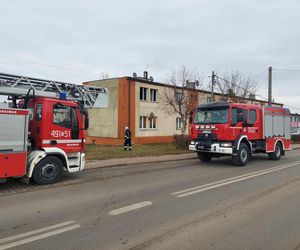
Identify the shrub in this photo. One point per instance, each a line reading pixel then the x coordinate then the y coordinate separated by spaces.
pixel 182 141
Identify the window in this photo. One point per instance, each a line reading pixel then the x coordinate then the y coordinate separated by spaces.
pixel 143 94
pixel 234 116
pixel 153 122
pixel 252 116
pixel 61 115
pixel 153 95
pixel 178 123
pixel 245 115
pixel 209 99
pixel 214 116
pixel 143 122
pixel 178 97
pixel 38 112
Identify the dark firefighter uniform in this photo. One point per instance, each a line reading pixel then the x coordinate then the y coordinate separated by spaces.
pixel 127 139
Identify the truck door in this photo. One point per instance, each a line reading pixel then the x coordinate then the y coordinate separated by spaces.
pixel 237 122
pixel 74 124
pixel 252 124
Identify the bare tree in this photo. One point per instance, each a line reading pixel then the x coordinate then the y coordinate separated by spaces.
pixel 181 98
pixel 236 85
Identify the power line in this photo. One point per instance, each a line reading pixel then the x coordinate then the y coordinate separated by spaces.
pixel 240 87
pixel 297 70
pixel 48 65
pixel 257 75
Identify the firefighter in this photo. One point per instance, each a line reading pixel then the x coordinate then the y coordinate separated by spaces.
pixel 127 139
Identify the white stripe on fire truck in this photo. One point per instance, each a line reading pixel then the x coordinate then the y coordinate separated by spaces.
pixel 61 141
pixel 11 143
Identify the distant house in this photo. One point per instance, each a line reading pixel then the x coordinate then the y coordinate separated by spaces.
pixel 295 123
pixel 135 102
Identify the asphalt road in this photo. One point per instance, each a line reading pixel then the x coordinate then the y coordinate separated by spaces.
pixel 170 205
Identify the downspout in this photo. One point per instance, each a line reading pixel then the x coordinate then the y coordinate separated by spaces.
pixel 129 106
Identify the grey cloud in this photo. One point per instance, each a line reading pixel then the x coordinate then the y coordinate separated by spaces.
pixel 126 36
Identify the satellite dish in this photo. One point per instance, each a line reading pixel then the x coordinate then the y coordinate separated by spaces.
pixel 151 116
pixel 134 75
pixel 151 79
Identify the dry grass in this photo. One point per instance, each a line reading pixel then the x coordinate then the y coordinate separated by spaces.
pixel 101 152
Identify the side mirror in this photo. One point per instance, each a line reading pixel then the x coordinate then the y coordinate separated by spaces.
pixel 85 115
pixel 86 122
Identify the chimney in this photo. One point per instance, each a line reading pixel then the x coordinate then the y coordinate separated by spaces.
pixel 252 96
pixel 146 74
pixel 190 85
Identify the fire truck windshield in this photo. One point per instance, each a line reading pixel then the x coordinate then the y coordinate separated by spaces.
pixel 208 116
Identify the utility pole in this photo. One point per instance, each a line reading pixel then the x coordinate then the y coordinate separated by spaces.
pixel 270 87
pixel 213 76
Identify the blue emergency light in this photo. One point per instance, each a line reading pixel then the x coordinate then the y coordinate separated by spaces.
pixel 63 95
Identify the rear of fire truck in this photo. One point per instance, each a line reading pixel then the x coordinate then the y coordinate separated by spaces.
pixel 240 130
pixel 13 142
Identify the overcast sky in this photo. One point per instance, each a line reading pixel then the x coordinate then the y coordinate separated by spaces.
pixel 82 39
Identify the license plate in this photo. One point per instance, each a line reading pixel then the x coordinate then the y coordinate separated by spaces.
pixel 206 132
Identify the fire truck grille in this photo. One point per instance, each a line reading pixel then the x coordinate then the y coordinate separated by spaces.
pixel 207 136
pixel 205 145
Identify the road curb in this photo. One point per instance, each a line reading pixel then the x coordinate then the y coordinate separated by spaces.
pixel 135 161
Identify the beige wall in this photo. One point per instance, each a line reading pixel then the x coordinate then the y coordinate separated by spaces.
pixel 166 123
pixel 104 121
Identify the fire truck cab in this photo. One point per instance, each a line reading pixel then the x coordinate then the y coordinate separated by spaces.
pixel 240 130
pixel 42 133
pixel 49 133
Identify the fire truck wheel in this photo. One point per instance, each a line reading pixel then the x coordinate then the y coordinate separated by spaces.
pixel 276 155
pixel 242 156
pixel 204 157
pixel 48 170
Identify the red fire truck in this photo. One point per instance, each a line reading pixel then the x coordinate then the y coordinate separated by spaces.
pixel 240 130
pixel 42 133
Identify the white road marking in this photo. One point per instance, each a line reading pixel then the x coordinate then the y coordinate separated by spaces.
pixel 130 208
pixel 202 188
pixel 232 178
pixel 39 237
pixel 36 231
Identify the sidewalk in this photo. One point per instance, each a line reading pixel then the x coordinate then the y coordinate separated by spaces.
pixel 147 159
pixel 138 160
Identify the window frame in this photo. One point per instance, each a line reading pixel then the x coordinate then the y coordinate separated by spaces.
pixel 61 124
pixel 142 122
pixel 143 94
pixel 178 123
pixel 153 123
pixel 38 112
pixel 153 95
pixel 252 110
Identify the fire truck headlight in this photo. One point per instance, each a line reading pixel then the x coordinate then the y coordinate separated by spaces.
pixel 193 142
pixel 226 144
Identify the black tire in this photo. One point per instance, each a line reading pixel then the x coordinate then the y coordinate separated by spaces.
pixel 204 157
pixel 242 156
pixel 276 155
pixel 48 170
